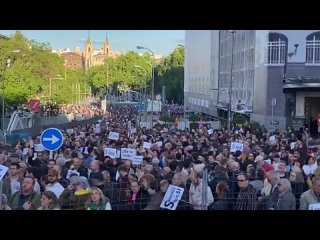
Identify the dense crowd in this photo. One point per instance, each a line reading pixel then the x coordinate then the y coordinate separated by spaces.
pixel 173 110
pixel 248 169
pixel 84 110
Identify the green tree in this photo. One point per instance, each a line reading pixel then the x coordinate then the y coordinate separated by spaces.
pixel 170 73
pixel 27 76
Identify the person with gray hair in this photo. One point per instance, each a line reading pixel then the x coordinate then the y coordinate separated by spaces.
pixel 287 200
pixel 75 195
pixel 270 192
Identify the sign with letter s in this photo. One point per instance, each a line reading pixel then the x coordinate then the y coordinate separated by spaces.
pixel 172 197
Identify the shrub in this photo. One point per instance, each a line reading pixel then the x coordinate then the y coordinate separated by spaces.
pixel 194 118
pixel 255 125
pixel 240 119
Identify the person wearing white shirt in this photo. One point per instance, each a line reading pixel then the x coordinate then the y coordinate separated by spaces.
pixel 195 192
pixel 53 185
pixel 309 168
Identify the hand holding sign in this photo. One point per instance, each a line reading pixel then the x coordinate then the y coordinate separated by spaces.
pixel 172 197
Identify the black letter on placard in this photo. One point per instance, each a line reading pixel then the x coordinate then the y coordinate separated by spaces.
pixel 168 204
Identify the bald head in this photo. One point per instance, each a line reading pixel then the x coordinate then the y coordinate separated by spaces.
pixel 95 165
pixel 177 179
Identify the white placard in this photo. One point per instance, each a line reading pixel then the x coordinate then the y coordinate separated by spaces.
pixel 137 160
pixel 272 139
pixel 268 161
pixel 172 197
pixel 159 144
pixel 38 147
pixel 82 134
pixel 70 131
pixel 210 131
pixel 111 152
pixel 85 150
pixel 97 130
pixel 3 171
pixel 128 153
pixel 133 130
pixel 71 172
pixel 292 145
pixel 118 154
pixel 314 206
pixel 146 145
pixel 236 146
pixel 25 151
pixel 113 136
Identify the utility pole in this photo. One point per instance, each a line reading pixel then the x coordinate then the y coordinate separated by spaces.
pixel 230 87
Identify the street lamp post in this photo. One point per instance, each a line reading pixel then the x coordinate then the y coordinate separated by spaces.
pixel 145 72
pixel 50 90
pixel 230 87
pixel 152 82
pixel 6 65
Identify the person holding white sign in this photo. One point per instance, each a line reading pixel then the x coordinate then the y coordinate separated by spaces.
pixel 310 200
pixel 155 201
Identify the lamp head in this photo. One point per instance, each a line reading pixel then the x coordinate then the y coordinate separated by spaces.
pixel 140 47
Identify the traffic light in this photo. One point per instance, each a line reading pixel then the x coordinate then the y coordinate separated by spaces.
pixel 318 119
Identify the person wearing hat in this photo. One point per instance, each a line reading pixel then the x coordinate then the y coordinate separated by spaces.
pixel 53 184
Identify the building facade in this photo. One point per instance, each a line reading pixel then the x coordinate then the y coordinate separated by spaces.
pixel 73 60
pixel 275 74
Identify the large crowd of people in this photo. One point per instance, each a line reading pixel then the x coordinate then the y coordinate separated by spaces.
pixel 240 169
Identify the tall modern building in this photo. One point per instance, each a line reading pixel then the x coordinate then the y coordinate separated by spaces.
pixel 275 74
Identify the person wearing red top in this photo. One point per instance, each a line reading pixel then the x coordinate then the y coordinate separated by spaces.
pixel 261 163
pixel 138 198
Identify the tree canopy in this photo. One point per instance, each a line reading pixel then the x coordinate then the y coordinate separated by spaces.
pixel 28 67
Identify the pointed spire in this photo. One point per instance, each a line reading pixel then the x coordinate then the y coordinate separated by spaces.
pixel 88 40
pixel 107 41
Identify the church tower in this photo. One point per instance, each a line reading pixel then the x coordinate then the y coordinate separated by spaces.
pixel 88 52
pixel 106 47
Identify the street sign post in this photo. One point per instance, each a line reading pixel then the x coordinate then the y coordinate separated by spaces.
pixel 273 104
pixel 51 139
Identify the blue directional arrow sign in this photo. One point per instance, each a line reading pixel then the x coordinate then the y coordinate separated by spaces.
pixel 51 139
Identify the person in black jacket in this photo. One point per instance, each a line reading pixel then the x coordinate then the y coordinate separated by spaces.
pixel 138 198
pixel 221 201
pixel 247 198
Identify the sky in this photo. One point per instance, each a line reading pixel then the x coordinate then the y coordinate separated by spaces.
pixel 159 41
